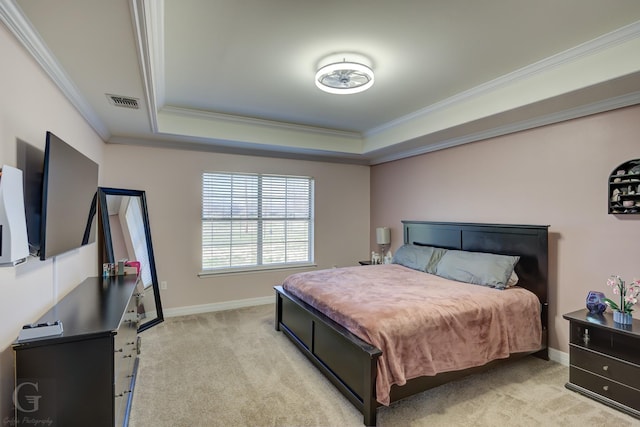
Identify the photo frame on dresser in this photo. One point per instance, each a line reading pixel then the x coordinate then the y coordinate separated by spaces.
pixel 124 221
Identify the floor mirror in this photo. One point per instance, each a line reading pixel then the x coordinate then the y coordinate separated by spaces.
pixel 127 236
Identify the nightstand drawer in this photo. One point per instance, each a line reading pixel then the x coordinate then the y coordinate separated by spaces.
pixel 605 387
pixel 600 364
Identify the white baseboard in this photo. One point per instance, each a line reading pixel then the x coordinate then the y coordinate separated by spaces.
pixel 559 356
pixel 218 306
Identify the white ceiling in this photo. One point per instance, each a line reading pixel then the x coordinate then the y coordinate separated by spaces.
pixel 237 76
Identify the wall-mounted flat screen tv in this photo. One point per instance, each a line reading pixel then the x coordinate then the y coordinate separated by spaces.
pixel 69 187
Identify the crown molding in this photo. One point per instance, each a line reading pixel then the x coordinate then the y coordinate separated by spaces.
pixel 19 25
pixel 568 114
pixel 147 17
pixel 606 41
pixel 244 149
pixel 251 121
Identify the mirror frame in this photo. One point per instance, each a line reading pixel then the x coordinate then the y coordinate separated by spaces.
pixel 108 255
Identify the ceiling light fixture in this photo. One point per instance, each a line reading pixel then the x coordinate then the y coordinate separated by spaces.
pixel 344 77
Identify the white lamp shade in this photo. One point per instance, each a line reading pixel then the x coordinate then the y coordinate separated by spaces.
pixel 383 235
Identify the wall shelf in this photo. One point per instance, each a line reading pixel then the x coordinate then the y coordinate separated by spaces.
pixel 624 188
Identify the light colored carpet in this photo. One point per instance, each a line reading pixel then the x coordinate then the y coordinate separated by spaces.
pixel 232 368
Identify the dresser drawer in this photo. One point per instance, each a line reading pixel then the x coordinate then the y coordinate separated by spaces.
pixel 605 387
pixel 600 364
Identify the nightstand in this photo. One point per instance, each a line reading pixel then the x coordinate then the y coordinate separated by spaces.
pixel 604 360
pixel 364 262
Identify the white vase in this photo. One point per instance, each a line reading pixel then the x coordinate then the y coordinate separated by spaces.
pixel 622 318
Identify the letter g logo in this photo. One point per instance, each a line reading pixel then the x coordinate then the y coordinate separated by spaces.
pixel 34 400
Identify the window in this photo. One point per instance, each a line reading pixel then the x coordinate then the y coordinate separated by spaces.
pixel 256 221
pixel 135 225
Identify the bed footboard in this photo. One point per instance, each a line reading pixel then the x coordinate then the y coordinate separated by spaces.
pixel 347 361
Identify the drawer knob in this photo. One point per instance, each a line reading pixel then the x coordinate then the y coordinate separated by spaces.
pixel 605 368
pixel 605 388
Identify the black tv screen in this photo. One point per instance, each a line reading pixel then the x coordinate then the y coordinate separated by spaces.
pixel 69 187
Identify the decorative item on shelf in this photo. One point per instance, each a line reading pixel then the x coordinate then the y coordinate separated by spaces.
pixel 622 318
pixel 624 191
pixel 388 258
pixel 595 302
pixel 133 264
pixel 107 269
pixel 628 296
pixel 615 195
pixel 383 238
pixel 121 268
pixel 375 258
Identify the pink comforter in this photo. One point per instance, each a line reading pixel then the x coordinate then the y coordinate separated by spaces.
pixel 423 324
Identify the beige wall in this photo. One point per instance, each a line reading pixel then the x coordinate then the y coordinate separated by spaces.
pixel 172 182
pixel 30 105
pixel 556 175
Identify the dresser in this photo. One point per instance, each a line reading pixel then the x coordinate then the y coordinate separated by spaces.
pixel 86 375
pixel 605 360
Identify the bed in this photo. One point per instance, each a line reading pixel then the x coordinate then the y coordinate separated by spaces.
pixel 354 365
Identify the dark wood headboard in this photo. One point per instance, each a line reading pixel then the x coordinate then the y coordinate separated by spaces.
pixel 530 242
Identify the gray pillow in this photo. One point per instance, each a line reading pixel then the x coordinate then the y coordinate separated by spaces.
pixel 477 267
pixel 421 258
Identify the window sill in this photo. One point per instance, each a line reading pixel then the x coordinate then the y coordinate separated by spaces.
pixel 260 269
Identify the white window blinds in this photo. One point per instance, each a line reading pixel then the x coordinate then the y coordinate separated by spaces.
pixel 252 220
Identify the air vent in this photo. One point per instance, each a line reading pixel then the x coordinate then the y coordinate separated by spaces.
pixel 123 101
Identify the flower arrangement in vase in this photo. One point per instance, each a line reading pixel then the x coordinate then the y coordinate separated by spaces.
pixel 628 296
